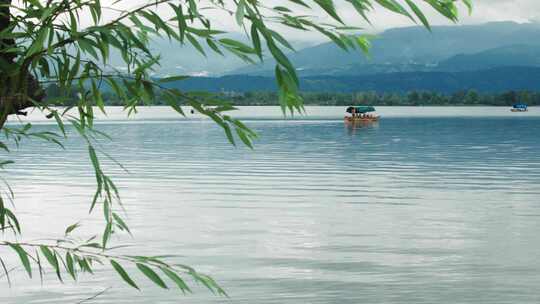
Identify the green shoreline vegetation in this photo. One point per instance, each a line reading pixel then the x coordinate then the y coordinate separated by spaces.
pixel 268 98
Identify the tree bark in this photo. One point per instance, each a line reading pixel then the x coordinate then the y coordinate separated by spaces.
pixel 18 89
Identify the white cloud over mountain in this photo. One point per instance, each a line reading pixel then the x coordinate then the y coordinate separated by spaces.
pixel 484 11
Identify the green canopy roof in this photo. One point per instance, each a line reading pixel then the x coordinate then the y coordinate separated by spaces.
pixel 361 109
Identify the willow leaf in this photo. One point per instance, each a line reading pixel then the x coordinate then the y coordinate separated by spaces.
pixel 152 275
pixel 123 274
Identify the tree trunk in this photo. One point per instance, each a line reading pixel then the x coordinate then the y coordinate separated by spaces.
pixel 18 89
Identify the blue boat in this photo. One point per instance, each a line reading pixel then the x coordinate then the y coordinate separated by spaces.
pixel 519 107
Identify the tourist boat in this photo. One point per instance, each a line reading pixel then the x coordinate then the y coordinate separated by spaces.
pixel 519 107
pixel 361 114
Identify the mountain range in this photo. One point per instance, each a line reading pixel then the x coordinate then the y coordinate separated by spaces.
pixel 493 80
pixel 488 57
pixel 413 49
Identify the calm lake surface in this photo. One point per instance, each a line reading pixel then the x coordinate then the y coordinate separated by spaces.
pixel 430 205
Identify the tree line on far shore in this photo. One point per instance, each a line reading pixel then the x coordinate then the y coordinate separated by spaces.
pixel 413 98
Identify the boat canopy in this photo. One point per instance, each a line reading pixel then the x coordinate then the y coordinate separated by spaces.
pixel 361 109
pixel 519 106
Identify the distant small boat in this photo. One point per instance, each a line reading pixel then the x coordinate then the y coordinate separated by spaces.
pixel 361 114
pixel 519 107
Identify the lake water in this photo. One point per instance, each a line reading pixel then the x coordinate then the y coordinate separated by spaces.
pixel 430 205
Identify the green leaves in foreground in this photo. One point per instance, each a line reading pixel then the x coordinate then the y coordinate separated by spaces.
pixel 23 256
pixel 69 258
pixel 58 48
pixel 149 273
pixel 49 42
pixel 151 267
pixel 123 274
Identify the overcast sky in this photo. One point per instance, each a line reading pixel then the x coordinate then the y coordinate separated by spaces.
pixel 484 11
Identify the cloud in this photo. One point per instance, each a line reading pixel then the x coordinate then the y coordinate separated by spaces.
pixel 503 10
pixel 483 11
pixel 381 19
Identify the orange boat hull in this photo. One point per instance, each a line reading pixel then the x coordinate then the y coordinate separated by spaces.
pixel 361 119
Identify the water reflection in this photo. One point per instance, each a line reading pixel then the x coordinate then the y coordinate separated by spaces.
pixel 354 126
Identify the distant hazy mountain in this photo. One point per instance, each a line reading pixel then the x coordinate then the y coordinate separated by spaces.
pixel 177 59
pixel 512 55
pixel 416 49
pixel 410 49
pixel 492 57
pixel 489 81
